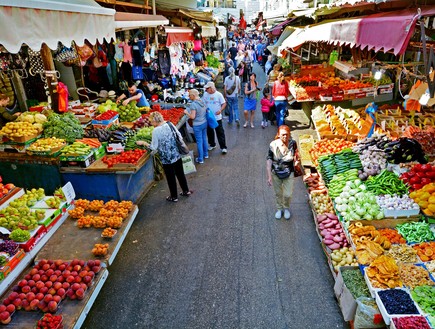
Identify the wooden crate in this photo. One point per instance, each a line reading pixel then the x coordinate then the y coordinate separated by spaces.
pixel 386 222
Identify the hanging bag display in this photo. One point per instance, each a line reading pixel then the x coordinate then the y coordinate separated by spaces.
pixel 64 54
pixel 181 145
pixel 137 73
pixel 36 63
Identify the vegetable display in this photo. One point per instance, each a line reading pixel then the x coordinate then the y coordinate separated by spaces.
pixel 404 150
pixel 343 257
pixel 425 137
pixel 338 163
pixel 386 182
pixel 425 198
pixel 338 182
pixel 424 296
pixel 76 149
pixel 419 176
pixel 402 253
pixel 397 301
pixel 331 231
pixel 322 203
pixel 314 182
pixel 328 146
pixel 131 157
pixel 19 235
pixel 415 231
pixel 373 162
pixel 65 126
pixel 396 202
pixel 363 207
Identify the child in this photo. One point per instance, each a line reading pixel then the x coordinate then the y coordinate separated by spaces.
pixel 266 103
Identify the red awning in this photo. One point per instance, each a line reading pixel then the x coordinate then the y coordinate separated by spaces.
pixel 277 29
pixel 391 30
pixel 178 34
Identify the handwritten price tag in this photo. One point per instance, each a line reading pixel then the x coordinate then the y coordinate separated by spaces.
pixel 68 191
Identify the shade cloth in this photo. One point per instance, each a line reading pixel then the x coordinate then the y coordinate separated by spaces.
pixel 178 34
pixel 127 21
pixel 222 32
pixel 207 28
pixel 284 35
pixel 277 29
pixel 50 21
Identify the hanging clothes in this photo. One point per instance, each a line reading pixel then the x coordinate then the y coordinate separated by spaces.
pixel 128 58
pixel 119 52
pixel 176 53
pixel 164 61
pixel 137 52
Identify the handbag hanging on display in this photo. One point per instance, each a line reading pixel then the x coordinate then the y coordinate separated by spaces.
pixel 36 64
pixel 181 145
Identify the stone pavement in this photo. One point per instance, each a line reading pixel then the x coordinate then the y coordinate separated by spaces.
pixel 219 259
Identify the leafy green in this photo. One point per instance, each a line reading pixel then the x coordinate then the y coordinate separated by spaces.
pixel 65 126
pixel 212 61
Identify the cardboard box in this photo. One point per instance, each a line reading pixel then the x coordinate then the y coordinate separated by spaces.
pixel 345 299
pixel 106 123
pixel 79 162
pixel 36 236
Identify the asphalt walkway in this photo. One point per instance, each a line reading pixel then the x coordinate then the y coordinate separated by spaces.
pixel 219 259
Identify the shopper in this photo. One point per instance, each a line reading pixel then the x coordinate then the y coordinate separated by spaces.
pixel 215 101
pixel 233 53
pixel 268 65
pixel 273 75
pixel 242 72
pixel 5 116
pixel 164 142
pixel 232 89
pixel 197 111
pixel 228 63
pixel 250 101
pixel 283 153
pixel 134 94
pixel 280 93
pixel 267 103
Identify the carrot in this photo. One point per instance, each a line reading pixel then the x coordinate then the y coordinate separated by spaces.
pixel 92 142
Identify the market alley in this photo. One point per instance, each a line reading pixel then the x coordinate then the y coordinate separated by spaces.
pixel 219 259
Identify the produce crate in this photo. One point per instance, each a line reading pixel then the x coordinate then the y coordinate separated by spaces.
pixel 52 152
pixel 393 326
pixel 401 213
pixel 385 315
pixel 100 152
pixel 11 264
pixel 345 299
pixel 78 162
pixel 23 139
pixel 386 222
pixel 327 252
pixel 36 235
pixel 369 283
pixel 306 142
pixel 106 123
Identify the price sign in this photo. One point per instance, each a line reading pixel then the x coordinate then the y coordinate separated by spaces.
pixel 68 191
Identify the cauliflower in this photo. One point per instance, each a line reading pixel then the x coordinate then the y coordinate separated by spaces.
pixel 40 118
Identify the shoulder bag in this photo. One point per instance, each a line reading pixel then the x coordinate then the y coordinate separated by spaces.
pixel 281 170
pixel 233 87
pixel 181 145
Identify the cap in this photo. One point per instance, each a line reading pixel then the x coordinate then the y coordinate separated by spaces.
pixel 209 84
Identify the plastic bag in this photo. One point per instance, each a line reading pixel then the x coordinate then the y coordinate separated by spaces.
pixel 367 314
pixel 188 164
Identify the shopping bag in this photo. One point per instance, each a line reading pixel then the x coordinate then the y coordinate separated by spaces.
pixel 211 119
pixel 137 73
pixel 188 164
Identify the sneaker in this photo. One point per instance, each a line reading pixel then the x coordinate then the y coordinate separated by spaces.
pixel 278 214
pixel 197 160
pixel 252 126
pixel 287 214
pixel 265 124
pixel 224 151
pixel 238 123
pixel 210 148
pixel 245 125
pixel 206 157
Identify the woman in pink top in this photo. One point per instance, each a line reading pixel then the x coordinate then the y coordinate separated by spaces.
pixel 280 93
pixel 127 51
pixel 266 103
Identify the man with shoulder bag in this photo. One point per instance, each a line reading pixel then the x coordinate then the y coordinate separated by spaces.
pixel 231 90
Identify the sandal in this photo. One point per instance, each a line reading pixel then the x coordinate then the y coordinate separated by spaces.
pixel 171 199
pixel 188 193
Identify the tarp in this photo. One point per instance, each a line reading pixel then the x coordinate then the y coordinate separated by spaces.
pixel 127 21
pixel 387 31
pixel 50 21
pixel 284 35
pixel 178 34
pixel 207 28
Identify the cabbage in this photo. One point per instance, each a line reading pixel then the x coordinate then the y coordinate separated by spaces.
pixel 40 118
pixel 338 200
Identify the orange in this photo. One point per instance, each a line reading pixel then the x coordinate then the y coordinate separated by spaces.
pixel 431 207
pixel 423 204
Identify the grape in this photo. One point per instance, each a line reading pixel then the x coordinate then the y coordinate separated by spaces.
pixel 9 246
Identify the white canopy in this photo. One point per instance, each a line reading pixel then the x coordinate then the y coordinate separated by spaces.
pixel 128 21
pixel 50 21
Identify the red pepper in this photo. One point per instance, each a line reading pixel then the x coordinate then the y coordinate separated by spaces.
pixel 415 180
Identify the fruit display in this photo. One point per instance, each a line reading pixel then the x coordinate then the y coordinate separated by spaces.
pixel 77 212
pixel 49 320
pixel 108 232
pixel 53 202
pixel 51 281
pixel 95 205
pixel 59 193
pixel 85 222
pixel 343 257
pixel 19 235
pixel 100 249
pixel 114 222
pixel 128 113
pixel 107 106
pixel 107 115
pixel 322 202
pixel 82 203
pixel 18 215
pixel 46 144
pixel 9 247
pixel 20 129
pixel 76 149
pixel 5 188
pixel 384 273
pixel 327 147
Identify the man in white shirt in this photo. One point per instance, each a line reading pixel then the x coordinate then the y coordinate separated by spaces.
pixel 215 101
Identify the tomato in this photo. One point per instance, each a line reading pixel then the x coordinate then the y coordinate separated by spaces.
pixel 415 180
pixel 417 167
pixel 416 186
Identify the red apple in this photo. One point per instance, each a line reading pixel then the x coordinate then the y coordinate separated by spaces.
pixel 6 301
pixel 70 279
pixel 75 286
pixel 83 273
pixel 60 279
pixel 27 277
pixel 96 269
pixel 10 308
pixel 33 271
pixel 36 277
pixel 61 292
pixel 58 262
pixel 66 273
pixel 57 298
pixel 39 284
pixel 84 286
pixel 25 305
pixel 34 304
pixel 22 283
pixel 4 316
pixel 57 285
pixel 78 279
pixel 80 293
pixel 42 305
pixel 90 263
pixel 53 278
pixel 51 291
pixel 74 273
pixel 97 262
pixel 41 272
pixel 22 296
pixel 58 272
pixel 62 267
pixel 44 277
pixel 91 274
pixel 35 290
pixel 46 267
pixel 87 279
pixel 49 284
pixel 77 268
pixel 42 262
pixel 49 272
pixel 4 308
pixel 65 285
pixel 52 306
pixel 43 290
pixel 26 289
pixel 17 302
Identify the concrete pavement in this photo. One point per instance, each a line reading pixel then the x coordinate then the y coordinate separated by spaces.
pixel 219 259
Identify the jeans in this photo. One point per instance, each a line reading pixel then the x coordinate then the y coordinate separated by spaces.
pixel 281 109
pixel 233 108
pixel 220 133
pixel 175 170
pixel 201 140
